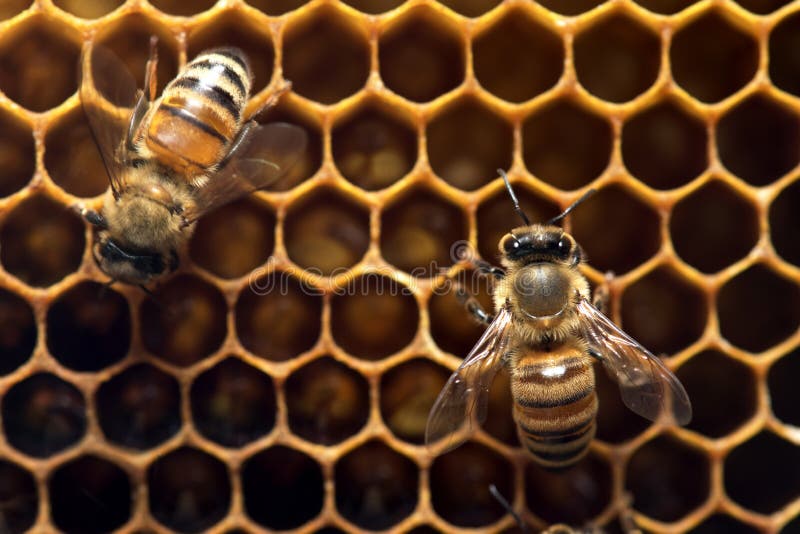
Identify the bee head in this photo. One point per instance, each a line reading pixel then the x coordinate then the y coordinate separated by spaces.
pixel 537 243
pixel 131 267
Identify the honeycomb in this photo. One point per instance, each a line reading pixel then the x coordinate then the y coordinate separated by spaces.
pixel 252 394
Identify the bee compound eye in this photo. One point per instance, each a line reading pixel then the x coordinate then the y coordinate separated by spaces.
pixel 564 245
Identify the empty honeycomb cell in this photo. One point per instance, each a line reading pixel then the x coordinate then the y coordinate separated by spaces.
pixel 470 8
pixel 666 7
pixel 783 392
pixel 19 500
pixel 616 423
pixel 566 145
pixel 18 331
pixel 189 490
pixel 87 10
pixel 664 146
pixel 184 321
pixel 373 149
pixel 763 474
pixel 72 158
pixel 420 56
pixel 713 227
pixel 617 58
pixel 452 327
pixel 667 478
pixel 722 524
pixel 17 157
pixel 13 7
pixel 376 487
pixel 759 140
pixel 42 241
pixel 89 327
pixel 418 232
pixel 762 7
pixel 233 403
pixel 792 526
pixel 374 7
pixel 517 58
pixel 283 488
pixel 571 8
pixel 234 239
pixel 310 161
pixel 326 232
pixel 140 407
pixel 181 7
pixel 276 7
pixel 459 485
pixel 327 401
pixel 629 233
pixel 467 143
pixel 43 415
pixel 783 64
pixel 758 309
pixel 784 218
pixel 407 393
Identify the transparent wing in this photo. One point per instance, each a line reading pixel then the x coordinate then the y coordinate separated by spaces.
pixel 646 385
pixel 465 395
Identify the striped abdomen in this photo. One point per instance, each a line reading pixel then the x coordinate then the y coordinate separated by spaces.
pixel 554 405
pixel 200 112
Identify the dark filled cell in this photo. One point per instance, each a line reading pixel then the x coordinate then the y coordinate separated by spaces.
pixel 18 332
pixel 784 395
pixel 19 498
pixel 17 154
pixel 784 219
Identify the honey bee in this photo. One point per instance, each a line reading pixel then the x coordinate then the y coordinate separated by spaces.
pixel 547 333
pixel 173 158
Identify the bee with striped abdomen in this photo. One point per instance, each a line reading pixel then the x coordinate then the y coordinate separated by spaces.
pixel 173 158
pixel 547 333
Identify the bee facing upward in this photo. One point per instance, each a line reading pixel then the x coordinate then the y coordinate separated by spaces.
pixel 547 333
pixel 173 158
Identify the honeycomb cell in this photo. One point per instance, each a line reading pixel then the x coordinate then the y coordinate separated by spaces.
pixel 89 327
pixel 325 57
pixel 758 309
pixel 407 393
pixel 750 473
pixel 43 415
pixel 19 499
pixel 87 10
pixel 499 421
pixel 189 490
pixel 326 232
pixel 791 527
pixel 722 524
pixel 419 231
pixel 713 227
pixel 421 57
pixel 42 241
pixel 278 317
pixel 327 401
pixel 666 7
pixel 628 235
pixel 11 8
pixel 783 392
pixel 375 486
pixel 17 157
pixel 184 321
pixel 311 160
pixel 616 423
pixel 711 58
pixel 759 140
pixel 622 46
pixel 467 143
pixel 566 145
pixel 283 488
pixel 762 7
pixel 470 8
pixel 784 217
pixel 517 58
pixel 181 7
pixel 783 64
pixel 665 147
pixel 72 158
pixel 373 149
pixel 140 407
pixel 668 479
pixel 452 327
pixel 18 331
pixel 459 485
pixel 276 7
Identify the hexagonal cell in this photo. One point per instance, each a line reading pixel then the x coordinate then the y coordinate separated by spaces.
pixel 311 160
pixel 72 158
pixel 17 156
pixel 420 58
pixel 759 140
pixel 18 331
pixel 620 45
pixel 758 309
pixel 233 403
pixel 723 524
pixel 325 56
pixel 668 478
pixel 749 473
pixel 327 401
pixel 466 143
pixel 666 7
pixel 189 490
pixel 89 327
pixel 374 7
pixel 616 230
pixel 790 527
pixel 185 321
pixel 276 7
pixel 375 499
pixel 18 498
pixel 373 149
pixel 713 227
pixel 459 485
pixel 43 415
pixel 783 392
pixel 784 219
pixel 407 393
pixel 418 233
pixel 566 145
pixel 783 65
pixel 181 7
pixel 326 232
pixel 42 241
pixel 90 494
pixel 517 58
pixel 470 8
pixel 616 423
pixel 14 7
pixel 87 10
pixel 451 325
pixel 283 488
pixel 762 7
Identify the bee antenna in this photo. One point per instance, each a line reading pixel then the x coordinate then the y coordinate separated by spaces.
pixel 571 207
pixel 507 506
pixel 514 198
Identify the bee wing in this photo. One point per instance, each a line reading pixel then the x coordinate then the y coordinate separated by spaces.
pixel 646 385
pixel 466 392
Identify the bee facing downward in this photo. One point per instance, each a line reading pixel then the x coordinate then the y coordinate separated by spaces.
pixel 174 158
pixel 547 333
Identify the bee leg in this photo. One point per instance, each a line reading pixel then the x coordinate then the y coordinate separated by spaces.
pixel 484 267
pixel 150 77
pixel 238 143
pixel 92 217
pixel 474 307
pixel 602 294
pixel 139 111
pixel 507 506
pixel 626 521
pixel 273 99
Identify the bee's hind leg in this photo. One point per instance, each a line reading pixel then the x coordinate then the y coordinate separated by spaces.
pixel 486 268
pixel 473 306
pixel 150 72
pixel 602 294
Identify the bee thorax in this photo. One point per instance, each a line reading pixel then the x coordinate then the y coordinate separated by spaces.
pixel 542 290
